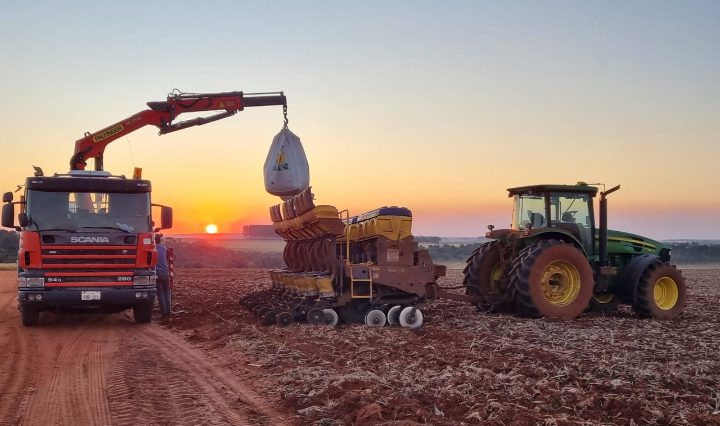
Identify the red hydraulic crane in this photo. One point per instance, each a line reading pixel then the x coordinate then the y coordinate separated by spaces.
pixel 162 114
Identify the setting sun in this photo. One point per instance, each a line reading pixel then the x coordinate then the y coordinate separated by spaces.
pixel 211 228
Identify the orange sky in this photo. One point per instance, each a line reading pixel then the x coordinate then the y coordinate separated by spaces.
pixel 438 109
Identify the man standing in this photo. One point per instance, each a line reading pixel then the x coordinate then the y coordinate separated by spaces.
pixel 163 276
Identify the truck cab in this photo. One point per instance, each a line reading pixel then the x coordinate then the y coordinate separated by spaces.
pixel 86 243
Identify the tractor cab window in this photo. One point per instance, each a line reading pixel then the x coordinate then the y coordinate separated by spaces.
pixel 572 212
pixel 570 208
pixel 529 210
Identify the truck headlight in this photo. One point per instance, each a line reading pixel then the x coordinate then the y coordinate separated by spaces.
pixel 22 282
pixel 145 280
pixel 36 282
pixel 142 280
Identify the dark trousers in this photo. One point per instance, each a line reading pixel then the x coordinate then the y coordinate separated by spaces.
pixel 163 293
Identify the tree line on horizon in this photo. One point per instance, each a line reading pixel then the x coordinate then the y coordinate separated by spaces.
pixel 199 254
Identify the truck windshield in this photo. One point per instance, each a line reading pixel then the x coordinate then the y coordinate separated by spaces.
pixel 87 211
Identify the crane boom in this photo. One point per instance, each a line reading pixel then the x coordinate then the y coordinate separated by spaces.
pixel 162 114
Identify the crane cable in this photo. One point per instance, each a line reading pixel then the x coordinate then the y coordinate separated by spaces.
pixel 132 158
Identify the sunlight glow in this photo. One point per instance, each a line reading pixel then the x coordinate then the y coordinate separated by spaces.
pixel 211 228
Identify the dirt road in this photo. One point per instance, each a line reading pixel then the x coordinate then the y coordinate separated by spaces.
pixel 104 369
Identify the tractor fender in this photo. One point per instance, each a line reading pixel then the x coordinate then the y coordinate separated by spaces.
pixel 630 275
pixel 559 235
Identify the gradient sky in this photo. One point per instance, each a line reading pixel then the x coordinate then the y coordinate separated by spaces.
pixel 436 106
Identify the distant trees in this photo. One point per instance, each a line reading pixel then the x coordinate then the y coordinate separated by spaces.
pixel 451 252
pixel 203 255
pixel 9 241
pixel 427 240
pixel 698 253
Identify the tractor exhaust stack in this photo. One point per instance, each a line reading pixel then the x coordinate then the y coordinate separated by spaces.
pixel 604 224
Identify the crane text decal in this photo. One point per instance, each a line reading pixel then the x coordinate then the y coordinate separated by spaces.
pixel 104 134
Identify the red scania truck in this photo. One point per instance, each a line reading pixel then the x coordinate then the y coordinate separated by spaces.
pixel 86 242
pixel 86 237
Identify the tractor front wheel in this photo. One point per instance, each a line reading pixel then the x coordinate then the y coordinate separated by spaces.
pixel 485 278
pixel 661 292
pixel 552 279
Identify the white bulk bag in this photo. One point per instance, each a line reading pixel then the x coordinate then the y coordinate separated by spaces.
pixel 286 168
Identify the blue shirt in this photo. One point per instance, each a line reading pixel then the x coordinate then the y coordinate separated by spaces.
pixel 162 264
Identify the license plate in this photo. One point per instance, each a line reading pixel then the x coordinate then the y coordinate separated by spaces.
pixel 90 295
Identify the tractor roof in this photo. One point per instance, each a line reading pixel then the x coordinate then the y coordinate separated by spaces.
pixel 581 188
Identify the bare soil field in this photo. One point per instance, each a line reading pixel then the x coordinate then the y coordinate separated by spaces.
pixel 212 363
pixel 105 370
pixel 464 367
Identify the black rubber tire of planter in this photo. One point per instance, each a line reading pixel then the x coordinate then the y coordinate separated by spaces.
pixel 142 313
pixel 283 319
pixel 657 274
pixel 30 316
pixel 545 266
pixel 480 279
pixel 315 316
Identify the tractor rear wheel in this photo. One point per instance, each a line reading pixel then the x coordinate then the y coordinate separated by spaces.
pixel 661 292
pixel 552 279
pixel 485 277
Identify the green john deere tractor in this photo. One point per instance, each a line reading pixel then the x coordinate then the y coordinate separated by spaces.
pixel 555 261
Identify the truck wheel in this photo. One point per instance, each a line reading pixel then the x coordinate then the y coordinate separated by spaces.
pixel 661 292
pixel 30 316
pixel 552 279
pixel 142 314
pixel 485 277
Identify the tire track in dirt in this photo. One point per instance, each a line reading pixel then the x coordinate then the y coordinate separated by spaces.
pixel 72 390
pixel 7 309
pixel 18 381
pixel 18 350
pixel 160 378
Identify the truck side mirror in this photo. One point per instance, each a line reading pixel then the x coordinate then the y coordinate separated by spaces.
pixel 7 197
pixel 24 220
pixel 166 217
pixel 8 215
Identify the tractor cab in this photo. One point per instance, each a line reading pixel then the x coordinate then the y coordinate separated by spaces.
pixel 565 209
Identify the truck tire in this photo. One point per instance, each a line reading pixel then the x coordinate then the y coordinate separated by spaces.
pixel 30 316
pixel 485 277
pixel 553 279
pixel 661 292
pixel 142 314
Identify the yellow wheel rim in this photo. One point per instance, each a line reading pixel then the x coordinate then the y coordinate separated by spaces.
pixel 495 278
pixel 560 282
pixel 604 298
pixel 666 293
